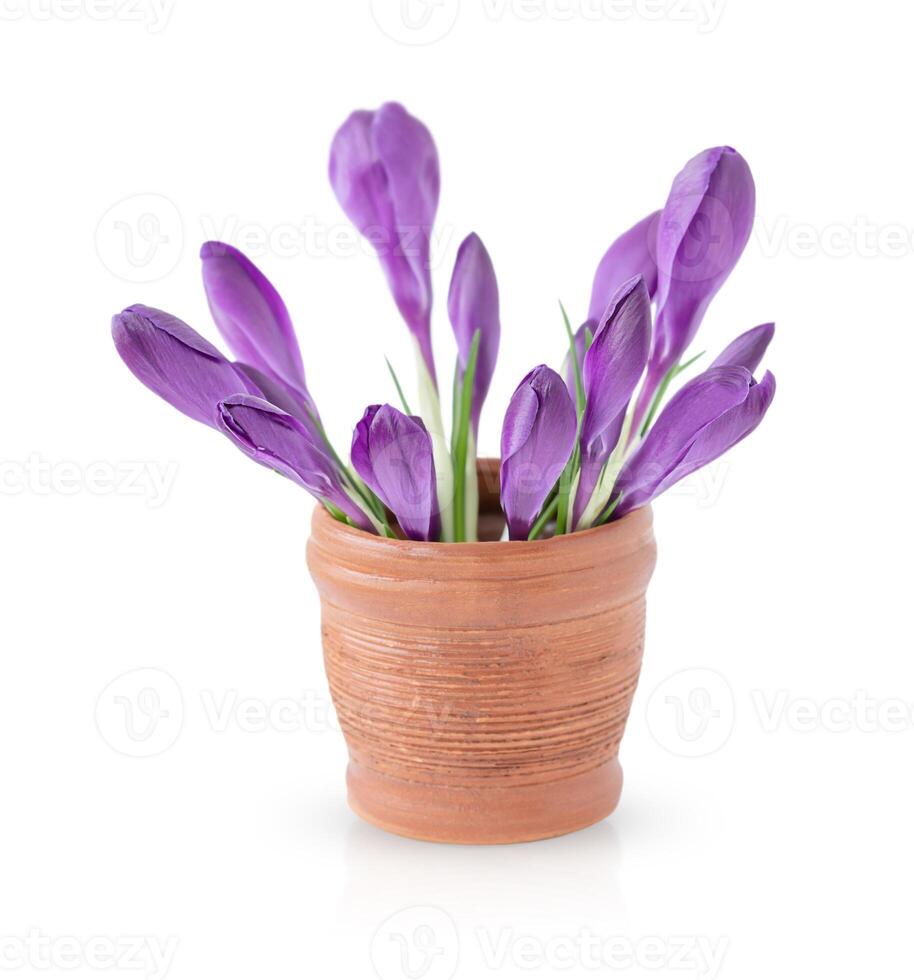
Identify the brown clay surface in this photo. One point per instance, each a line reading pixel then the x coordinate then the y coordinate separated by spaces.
pixel 483 688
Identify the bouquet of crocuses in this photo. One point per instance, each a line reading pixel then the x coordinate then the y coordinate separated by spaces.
pixel 576 450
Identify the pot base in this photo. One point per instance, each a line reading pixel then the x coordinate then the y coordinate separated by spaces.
pixel 504 814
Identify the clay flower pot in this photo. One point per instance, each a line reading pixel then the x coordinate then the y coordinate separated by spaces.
pixel 483 688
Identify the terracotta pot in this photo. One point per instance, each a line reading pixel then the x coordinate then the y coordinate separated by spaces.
pixel 483 688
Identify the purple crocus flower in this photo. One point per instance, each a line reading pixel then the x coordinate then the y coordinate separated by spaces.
pixel 536 443
pixel 707 416
pixel 748 349
pixel 634 253
pixel 280 442
pixel 392 453
pixel 613 365
pixel 256 325
pixel 251 315
pixel 176 362
pixel 703 229
pixel 384 172
pixel 472 304
pixel 283 396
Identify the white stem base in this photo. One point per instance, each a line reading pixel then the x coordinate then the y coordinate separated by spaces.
pixel 430 409
pixel 599 499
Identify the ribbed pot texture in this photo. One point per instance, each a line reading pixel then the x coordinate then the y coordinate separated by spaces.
pixel 483 688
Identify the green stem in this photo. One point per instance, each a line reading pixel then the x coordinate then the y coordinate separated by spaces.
pixel 568 484
pixel 565 514
pixel 403 400
pixel 461 438
pixel 378 523
pixel 605 516
pixel 335 512
pixel 367 498
pixel 543 519
pixel 471 495
pixel 430 409
pixel 573 354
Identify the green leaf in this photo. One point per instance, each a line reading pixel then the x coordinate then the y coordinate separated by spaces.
pixel 403 400
pixel 455 405
pixel 335 512
pixel 471 493
pixel 567 484
pixel 573 354
pixel 461 437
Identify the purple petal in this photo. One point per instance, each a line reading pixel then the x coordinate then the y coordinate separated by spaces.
pixel 704 228
pixel 384 172
pixel 353 161
pixel 613 366
pixel 724 432
pixel 536 442
pixel 697 404
pixel 250 314
pixel 392 453
pixel 748 349
pixel 176 363
pixel 633 253
pixel 360 452
pixel 615 360
pixel 284 396
pixel 472 305
pixel 280 442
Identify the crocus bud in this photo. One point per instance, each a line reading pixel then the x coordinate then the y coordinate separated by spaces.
pixel 633 253
pixel 284 396
pixel 384 172
pixel 176 362
pixel 251 315
pixel 537 440
pixel 392 453
pixel 748 349
pixel 726 430
pixel 707 416
pixel 703 229
pixel 612 368
pixel 472 305
pixel 280 442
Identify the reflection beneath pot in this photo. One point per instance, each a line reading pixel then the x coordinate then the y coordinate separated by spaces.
pixel 410 906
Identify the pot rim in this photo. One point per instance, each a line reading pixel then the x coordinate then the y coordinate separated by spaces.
pixel 617 536
pixel 469 549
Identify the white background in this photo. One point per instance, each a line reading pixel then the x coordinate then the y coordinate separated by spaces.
pixel 786 844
